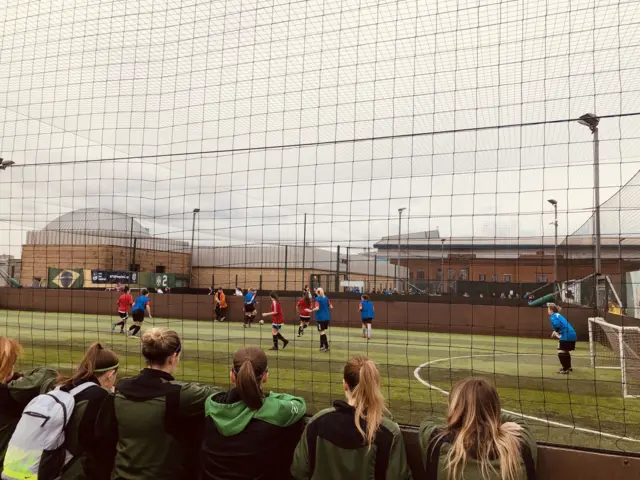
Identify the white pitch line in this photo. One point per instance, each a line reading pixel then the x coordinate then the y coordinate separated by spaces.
pixel 416 373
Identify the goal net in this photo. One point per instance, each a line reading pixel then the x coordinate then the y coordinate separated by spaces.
pixel 615 346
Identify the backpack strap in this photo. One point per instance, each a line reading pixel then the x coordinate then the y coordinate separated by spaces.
pixel 81 388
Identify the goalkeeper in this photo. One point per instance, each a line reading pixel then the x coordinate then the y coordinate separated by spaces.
pixel 566 335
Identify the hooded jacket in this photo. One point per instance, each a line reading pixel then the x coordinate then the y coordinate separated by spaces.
pixel 244 444
pixel 14 397
pixel 332 448
pixel 158 421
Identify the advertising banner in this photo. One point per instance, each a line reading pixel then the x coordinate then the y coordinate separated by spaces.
pixel 114 276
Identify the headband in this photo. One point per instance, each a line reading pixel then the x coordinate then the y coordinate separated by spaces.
pixel 100 370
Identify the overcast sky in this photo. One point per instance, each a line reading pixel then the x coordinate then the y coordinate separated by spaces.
pixel 154 108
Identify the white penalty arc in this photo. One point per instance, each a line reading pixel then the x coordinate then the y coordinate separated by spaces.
pixel 416 373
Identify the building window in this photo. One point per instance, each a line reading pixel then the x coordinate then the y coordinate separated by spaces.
pixel 439 275
pixel 494 278
pixel 463 275
pixel 134 267
pixel 420 274
pixel 507 277
pixel 451 274
pixel 482 277
pixel 542 278
pixel 160 269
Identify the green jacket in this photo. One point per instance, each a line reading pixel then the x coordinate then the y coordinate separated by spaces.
pixel 429 431
pixel 332 448
pixel 14 397
pixel 159 422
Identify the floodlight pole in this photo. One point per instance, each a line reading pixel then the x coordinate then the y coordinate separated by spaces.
pixel 590 120
pixel 400 210
pixel 193 235
pixel 555 243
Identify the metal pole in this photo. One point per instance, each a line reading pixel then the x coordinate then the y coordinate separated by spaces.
pixel 193 235
pixel 555 245
pixel 400 210
pixel 442 264
pixel 375 271
pixel 131 245
pixel 346 270
pixel 304 248
pixel 596 217
pixel 286 254
pixel 337 285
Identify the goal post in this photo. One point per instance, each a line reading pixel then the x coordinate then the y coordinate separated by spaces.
pixel 617 347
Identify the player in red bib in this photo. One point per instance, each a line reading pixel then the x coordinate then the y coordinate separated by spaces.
pixel 277 321
pixel 124 304
pixel 304 310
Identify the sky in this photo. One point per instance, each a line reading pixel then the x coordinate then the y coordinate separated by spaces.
pixel 259 112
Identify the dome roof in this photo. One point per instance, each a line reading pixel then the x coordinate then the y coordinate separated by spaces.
pixel 97 220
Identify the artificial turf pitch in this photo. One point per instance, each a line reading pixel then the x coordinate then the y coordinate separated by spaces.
pixel 523 369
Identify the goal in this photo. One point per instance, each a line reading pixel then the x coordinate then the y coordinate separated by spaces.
pixel 613 346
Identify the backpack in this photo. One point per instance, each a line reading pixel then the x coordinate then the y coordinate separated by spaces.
pixel 36 449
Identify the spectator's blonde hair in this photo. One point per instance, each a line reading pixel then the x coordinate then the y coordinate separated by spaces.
pixel 474 422
pixel 365 393
pixel 158 344
pixel 10 350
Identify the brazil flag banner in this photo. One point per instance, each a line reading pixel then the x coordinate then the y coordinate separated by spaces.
pixel 65 278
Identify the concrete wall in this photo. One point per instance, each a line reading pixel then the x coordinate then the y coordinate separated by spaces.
pixel 436 314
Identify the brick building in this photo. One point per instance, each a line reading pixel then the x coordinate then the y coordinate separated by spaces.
pixel 434 260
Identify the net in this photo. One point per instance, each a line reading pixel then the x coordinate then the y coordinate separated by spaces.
pixel 618 347
pixel 429 153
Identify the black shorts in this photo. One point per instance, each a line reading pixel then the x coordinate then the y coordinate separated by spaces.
pixel 305 319
pixel 566 346
pixel 323 325
pixel 123 315
pixel 367 320
pixel 249 308
pixel 138 315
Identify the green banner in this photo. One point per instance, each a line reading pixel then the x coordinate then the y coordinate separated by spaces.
pixel 157 280
pixel 65 278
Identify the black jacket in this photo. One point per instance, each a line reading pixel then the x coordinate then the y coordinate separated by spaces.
pixel 244 444
pixel 92 452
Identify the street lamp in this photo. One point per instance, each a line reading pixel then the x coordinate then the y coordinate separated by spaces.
pixel 590 120
pixel 193 234
pixel 555 243
pixel 400 210
pixel 6 163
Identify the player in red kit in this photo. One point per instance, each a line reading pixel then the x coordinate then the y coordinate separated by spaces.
pixel 277 321
pixel 124 304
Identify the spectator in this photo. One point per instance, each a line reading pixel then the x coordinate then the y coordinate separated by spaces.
pixel 17 390
pixel 503 296
pixel 157 419
pixel 466 295
pixel 478 441
pixel 91 453
pixel 239 292
pixel 244 425
pixel 337 441
pixel 221 305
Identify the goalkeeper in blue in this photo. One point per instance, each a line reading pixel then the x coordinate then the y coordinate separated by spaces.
pixel 566 335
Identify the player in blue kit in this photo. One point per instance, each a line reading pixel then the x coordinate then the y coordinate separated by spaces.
pixel 566 335
pixel 139 307
pixel 323 317
pixel 366 315
pixel 249 307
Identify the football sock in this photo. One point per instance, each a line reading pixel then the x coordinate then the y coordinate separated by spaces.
pixel 275 341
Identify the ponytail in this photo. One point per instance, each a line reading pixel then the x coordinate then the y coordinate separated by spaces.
pixel 96 361
pixel 249 367
pixel 365 394
pixel 10 350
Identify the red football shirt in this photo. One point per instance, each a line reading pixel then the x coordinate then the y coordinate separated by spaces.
pixel 278 314
pixel 302 306
pixel 124 302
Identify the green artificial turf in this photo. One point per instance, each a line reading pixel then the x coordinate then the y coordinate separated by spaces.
pixel 523 369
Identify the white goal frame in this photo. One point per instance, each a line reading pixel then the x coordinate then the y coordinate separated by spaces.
pixel 621 352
